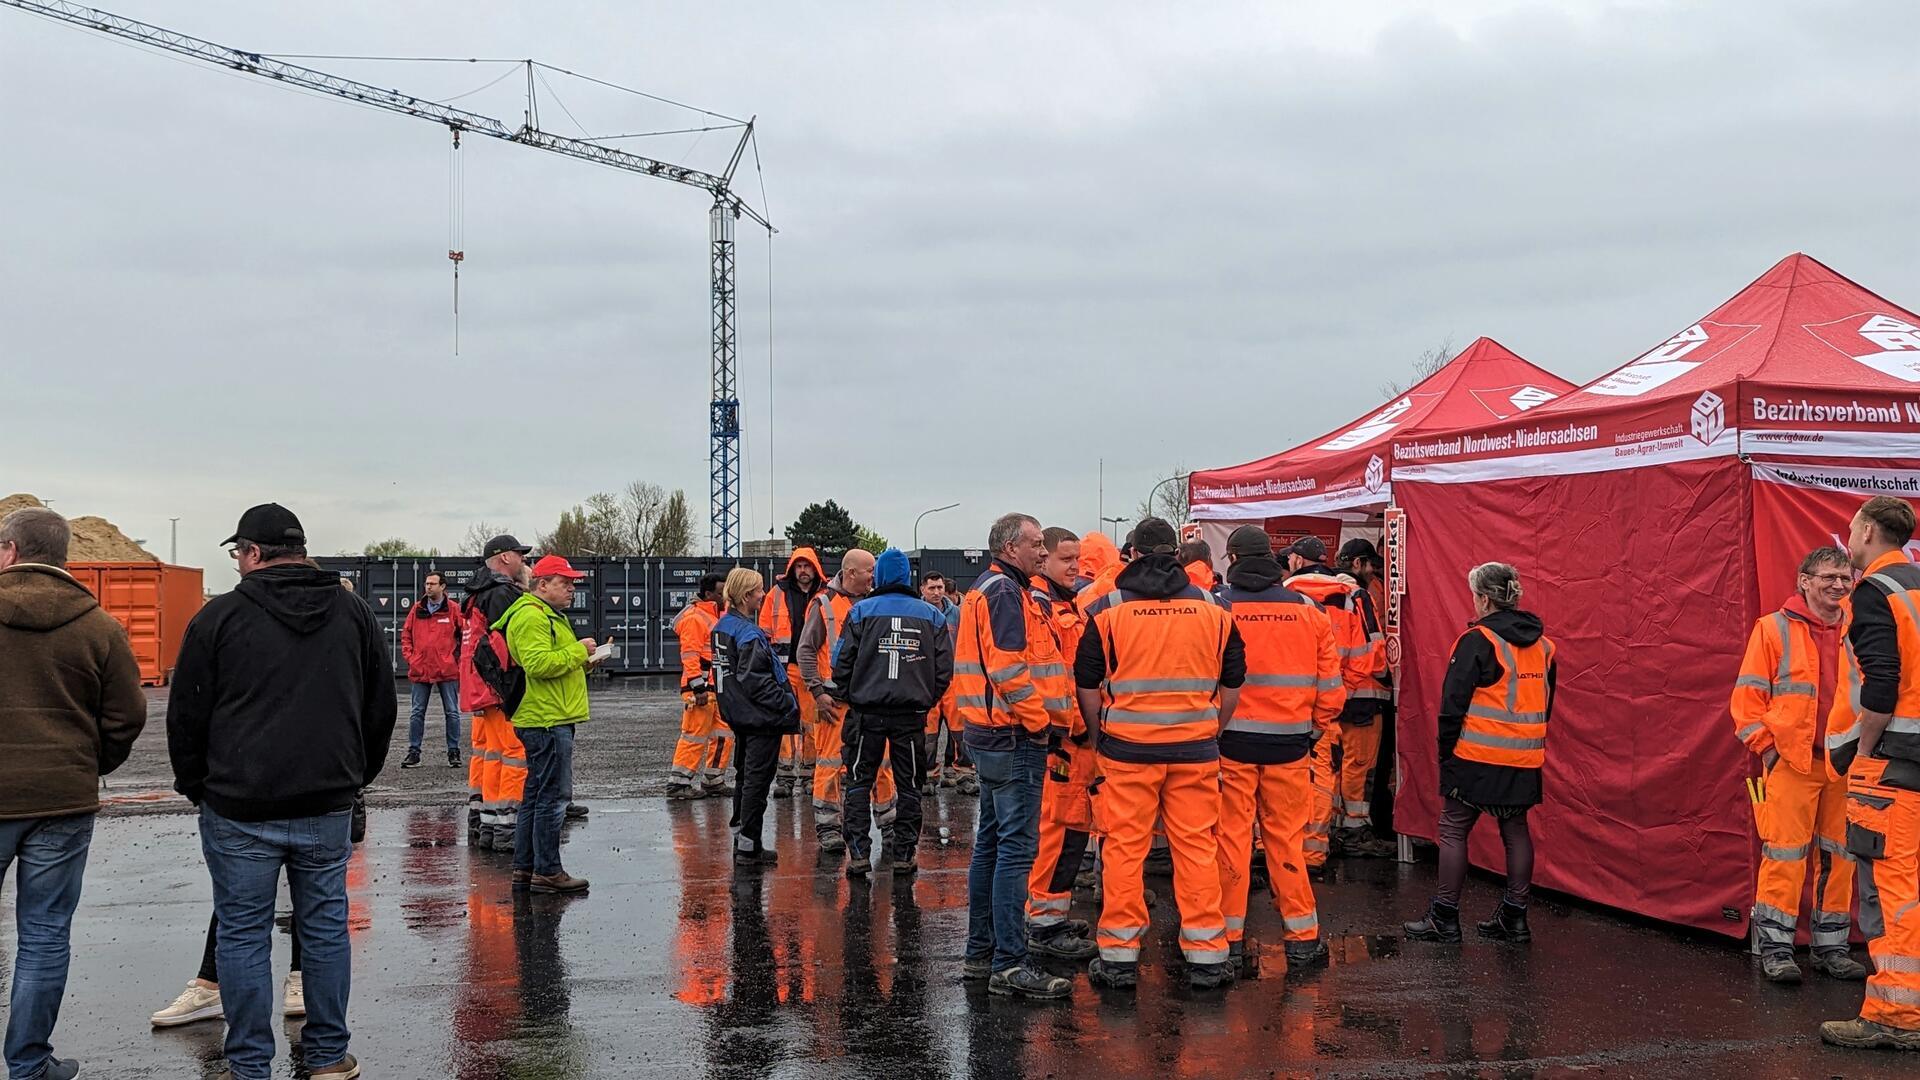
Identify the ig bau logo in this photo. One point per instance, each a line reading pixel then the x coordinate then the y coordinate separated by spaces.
pixel 1709 417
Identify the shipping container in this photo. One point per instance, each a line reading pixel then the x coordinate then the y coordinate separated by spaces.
pixel 960 566
pixel 154 601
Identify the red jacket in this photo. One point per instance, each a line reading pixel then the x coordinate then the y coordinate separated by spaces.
pixel 430 642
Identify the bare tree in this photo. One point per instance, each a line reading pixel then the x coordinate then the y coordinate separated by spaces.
pixel 673 532
pixel 1168 500
pixel 658 524
pixel 477 535
pixel 1424 366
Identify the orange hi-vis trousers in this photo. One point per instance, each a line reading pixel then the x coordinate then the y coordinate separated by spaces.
pixel 1804 818
pixel 943 731
pixel 830 774
pixel 1326 796
pixel 1187 798
pixel 1883 833
pixel 1279 798
pixel 1066 826
pixel 501 763
pixel 1359 749
pixel 704 755
pixel 796 751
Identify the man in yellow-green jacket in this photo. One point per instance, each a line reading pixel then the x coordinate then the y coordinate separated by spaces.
pixel 541 644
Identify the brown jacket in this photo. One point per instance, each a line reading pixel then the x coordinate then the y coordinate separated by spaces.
pixel 71 704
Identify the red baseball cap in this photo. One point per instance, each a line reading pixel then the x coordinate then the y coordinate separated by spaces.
pixel 556 566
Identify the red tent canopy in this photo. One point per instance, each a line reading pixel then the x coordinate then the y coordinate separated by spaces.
pixel 1649 545
pixel 1347 468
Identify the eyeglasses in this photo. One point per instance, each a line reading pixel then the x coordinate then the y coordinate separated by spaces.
pixel 1831 579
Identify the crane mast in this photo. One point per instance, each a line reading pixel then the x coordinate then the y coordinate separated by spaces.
pixel 724 409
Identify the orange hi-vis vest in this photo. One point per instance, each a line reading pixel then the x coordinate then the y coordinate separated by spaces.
pixel 1336 596
pixel 694 627
pixel 775 618
pixel 998 692
pixel 1774 698
pixel 1375 686
pixel 1897 577
pixel 1064 622
pixel 1294 683
pixel 833 607
pixel 1506 723
pixel 1161 697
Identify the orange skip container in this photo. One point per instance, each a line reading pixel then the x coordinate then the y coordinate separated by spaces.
pixel 154 601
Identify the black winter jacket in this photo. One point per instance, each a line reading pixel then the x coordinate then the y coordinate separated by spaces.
pixel 750 682
pixel 1473 666
pixel 894 658
pixel 283 700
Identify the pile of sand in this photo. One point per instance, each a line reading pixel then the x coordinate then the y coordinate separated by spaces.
pixel 95 539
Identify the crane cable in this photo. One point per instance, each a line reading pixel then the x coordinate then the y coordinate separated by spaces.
pixel 456 227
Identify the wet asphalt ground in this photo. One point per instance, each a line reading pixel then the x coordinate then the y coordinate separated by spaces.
pixel 674 966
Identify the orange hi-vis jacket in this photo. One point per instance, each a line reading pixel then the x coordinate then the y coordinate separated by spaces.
pixel 1165 660
pixel 833 607
pixel 775 616
pixel 1335 594
pixel 1200 573
pixel 694 627
pixel 1097 554
pixel 1378 685
pixel 1888 587
pixel 1294 687
pixel 1003 659
pixel 1065 623
pixel 1775 697
pixel 1506 723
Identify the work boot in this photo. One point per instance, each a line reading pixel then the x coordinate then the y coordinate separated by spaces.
pixel 1257 879
pixel 1305 956
pixel 1863 1034
pixel 968 785
pixel 783 787
pixel 344 1069
pixel 576 812
pixel 522 880
pixel 1159 862
pixel 929 787
pixel 413 758
pixel 561 882
pixel 681 791
pixel 68 1069
pixel 831 842
pixel 1086 879
pixel 1316 872
pixel 948 780
pixel 1114 974
pixel 1778 966
pixel 1509 923
pixel 1209 976
pixel 454 760
pixel 905 863
pixel 1027 980
pixel 1836 964
pixel 1441 923
pixel 1150 897
pixel 1359 843
pixel 484 841
pixel 755 859
pixel 976 968
pixel 1063 945
pixel 1245 964
pixel 858 864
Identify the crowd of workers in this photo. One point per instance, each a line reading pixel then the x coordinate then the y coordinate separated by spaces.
pixel 1096 700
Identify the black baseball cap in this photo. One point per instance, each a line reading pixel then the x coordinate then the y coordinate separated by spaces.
pixel 1249 540
pixel 1360 548
pixel 503 543
pixel 1309 547
pixel 270 524
pixel 1153 536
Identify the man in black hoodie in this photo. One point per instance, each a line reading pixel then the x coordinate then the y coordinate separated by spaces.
pixel 282 708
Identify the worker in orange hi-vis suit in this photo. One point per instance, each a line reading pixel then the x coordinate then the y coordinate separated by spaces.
pixel 497 765
pixel 1873 738
pixel 782 614
pixel 702 734
pixel 1159 670
pixel 1293 694
pixel 1780 706
pixel 826 615
pixel 947 762
pixel 1066 806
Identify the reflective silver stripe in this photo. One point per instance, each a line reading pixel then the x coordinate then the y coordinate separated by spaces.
pixel 1163 686
pixel 1011 671
pixel 1888 583
pixel 1314 844
pixel 1837 848
pixel 514 762
pixel 1049 670
pixel 1894 995
pixel 1120 955
pixel 1354 807
pixel 1129 716
pixel 1304 922
pixel 1059 704
pixel 1502 742
pixel 1018 694
pixel 1301 682
pixel 1235 922
pixel 1769 914
pixel 1201 933
pixel 1783 686
pixel 1748 732
pixel 1752 682
pixel 682 773
pixel 969 669
pixel 1835 742
pixel 1219 956
pixel 1270 727
pixel 1506 715
pixel 1904 965
pixel 1122 933
pixel 1353 652
pixel 1906 725
pixel 1062 904
pixel 1371 693
pixel 970 701
pixel 1783 854
pixel 829 762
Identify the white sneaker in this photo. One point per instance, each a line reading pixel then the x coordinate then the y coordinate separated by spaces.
pixel 194 1004
pixel 296 1003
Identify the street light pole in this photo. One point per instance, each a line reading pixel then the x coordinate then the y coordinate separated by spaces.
pixel 924 513
pixel 1155 493
pixel 1116 522
pixel 173 545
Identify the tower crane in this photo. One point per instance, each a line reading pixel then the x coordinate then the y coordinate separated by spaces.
pixel 728 207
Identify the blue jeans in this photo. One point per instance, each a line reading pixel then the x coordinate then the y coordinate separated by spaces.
pixel 52 853
pixel 1003 849
pixel 449 709
pixel 543 809
pixel 244 859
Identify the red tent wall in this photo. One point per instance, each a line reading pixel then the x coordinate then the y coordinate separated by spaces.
pixel 1646 584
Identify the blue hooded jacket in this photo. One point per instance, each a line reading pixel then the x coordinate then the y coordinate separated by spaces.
pixel 894 656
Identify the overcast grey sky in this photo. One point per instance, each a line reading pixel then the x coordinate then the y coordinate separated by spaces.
pixel 1013 241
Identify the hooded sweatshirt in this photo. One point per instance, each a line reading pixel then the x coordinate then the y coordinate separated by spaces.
pixel 894 658
pixel 72 705
pixel 1474 665
pixel 283 701
pixel 812 638
pixel 1097 553
pixel 784 623
pixel 1156 577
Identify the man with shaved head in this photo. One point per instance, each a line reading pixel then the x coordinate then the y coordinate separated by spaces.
pixel 826 618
